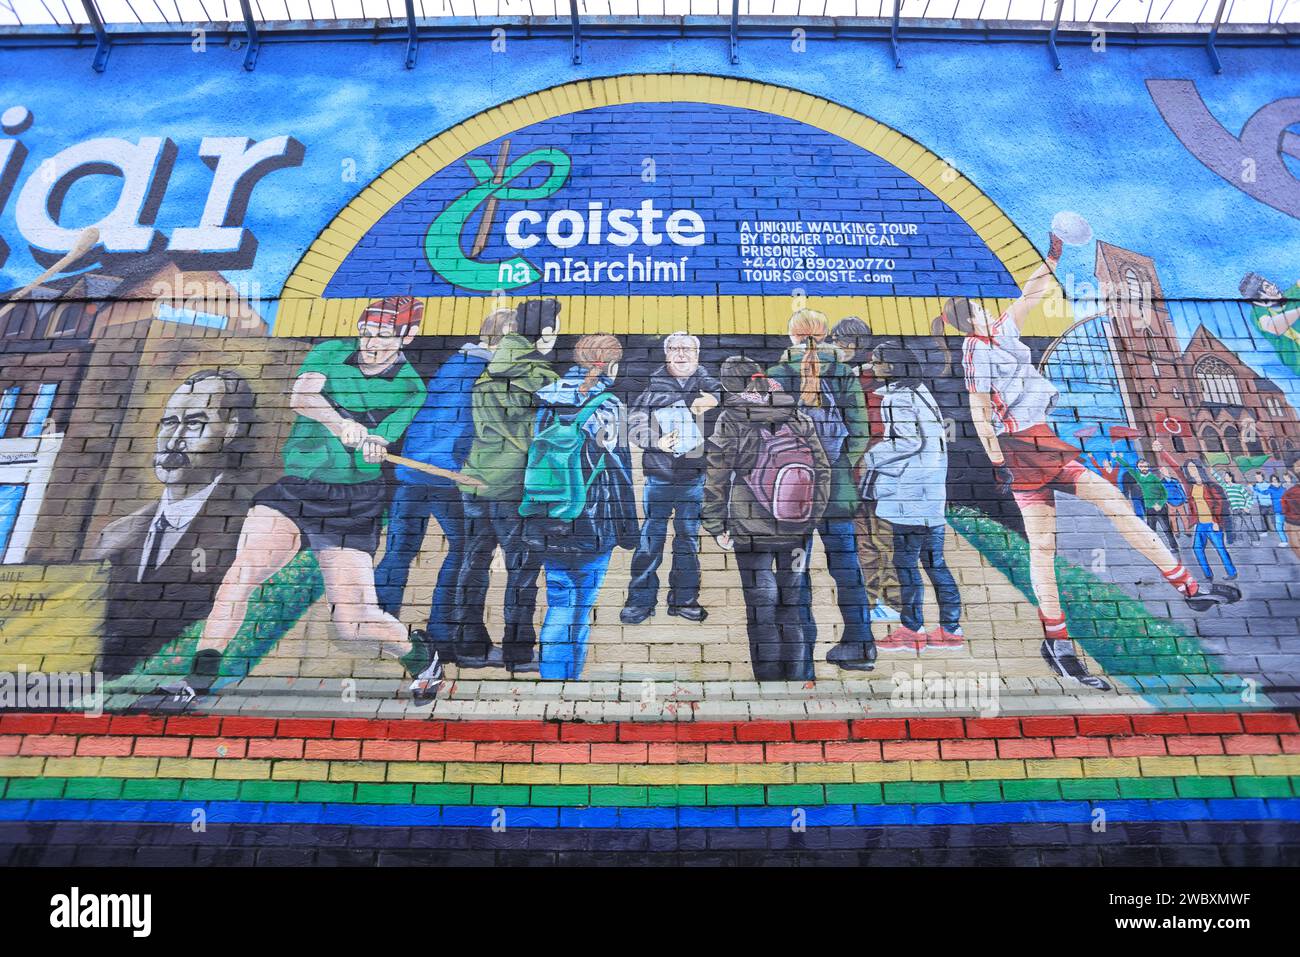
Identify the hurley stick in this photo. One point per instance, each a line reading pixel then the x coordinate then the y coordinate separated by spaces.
pixel 490 208
pixel 456 477
pixel 88 237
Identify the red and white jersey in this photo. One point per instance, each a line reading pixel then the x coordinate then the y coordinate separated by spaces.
pixel 1000 366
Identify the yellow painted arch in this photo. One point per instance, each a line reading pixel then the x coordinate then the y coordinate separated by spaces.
pixel 303 311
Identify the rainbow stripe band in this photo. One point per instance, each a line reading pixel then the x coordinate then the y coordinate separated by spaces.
pixel 1196 779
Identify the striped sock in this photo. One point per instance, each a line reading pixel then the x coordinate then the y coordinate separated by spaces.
pixel 1182 579
pixel 1054 628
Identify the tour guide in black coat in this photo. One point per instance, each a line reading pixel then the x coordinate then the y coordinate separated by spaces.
pixel 674 484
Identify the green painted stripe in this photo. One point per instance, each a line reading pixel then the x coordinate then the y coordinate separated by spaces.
pixel 716 795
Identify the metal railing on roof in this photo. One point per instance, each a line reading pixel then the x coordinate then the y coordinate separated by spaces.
pixel 249 23
pixel 181 12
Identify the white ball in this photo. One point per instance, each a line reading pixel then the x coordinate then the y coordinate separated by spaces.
pixel 1071 227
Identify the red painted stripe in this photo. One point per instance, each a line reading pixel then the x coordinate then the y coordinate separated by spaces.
pixel 1142 729
pixel 642 752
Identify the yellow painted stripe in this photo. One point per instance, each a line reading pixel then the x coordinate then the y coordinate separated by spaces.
pixel 646 774
pixel 632 315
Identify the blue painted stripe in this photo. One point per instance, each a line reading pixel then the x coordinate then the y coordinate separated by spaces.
pixel 831 815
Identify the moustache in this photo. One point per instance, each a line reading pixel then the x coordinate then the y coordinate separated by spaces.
pixel 172 459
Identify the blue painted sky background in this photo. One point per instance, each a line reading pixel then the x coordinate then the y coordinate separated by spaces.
pixel 1087 138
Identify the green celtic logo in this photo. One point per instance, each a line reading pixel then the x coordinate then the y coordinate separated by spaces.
pixel 443 242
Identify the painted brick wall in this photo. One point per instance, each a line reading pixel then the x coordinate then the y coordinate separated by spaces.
pixel 1125 646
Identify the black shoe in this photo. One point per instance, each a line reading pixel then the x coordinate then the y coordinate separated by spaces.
pixel 177 697
pixel 1067 664
pixel 1215 595
pixel 530 667
pixel 492 659
pixel 427 683
pixel 853 655
pixel 635 614
pixel 691 612
pixel 423 653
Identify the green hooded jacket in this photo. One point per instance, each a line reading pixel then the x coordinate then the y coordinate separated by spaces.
pixel 843 385
pixel 504 412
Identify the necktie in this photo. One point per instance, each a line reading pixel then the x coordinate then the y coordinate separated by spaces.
pixel 160 526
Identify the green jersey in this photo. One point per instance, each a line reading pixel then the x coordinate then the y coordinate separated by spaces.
pixel 1154 493
pixel 385 403
pixel 1286 345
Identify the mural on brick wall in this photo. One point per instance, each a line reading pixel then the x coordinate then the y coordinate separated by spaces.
pixel 663 379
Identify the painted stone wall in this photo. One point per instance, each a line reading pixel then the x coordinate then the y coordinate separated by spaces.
pixel 665 451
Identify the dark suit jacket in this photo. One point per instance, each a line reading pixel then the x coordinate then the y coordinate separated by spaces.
pixel 143 616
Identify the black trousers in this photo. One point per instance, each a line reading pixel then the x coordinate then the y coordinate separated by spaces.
pixel 779 647
pixel 492 524
pixel 1158 520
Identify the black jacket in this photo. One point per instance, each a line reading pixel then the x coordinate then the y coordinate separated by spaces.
pixel 663 390
pixel 145 613
pixel 609 520
pixel 729 505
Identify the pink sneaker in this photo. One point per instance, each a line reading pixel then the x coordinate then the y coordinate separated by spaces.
pixel 942 638
pixel 901 638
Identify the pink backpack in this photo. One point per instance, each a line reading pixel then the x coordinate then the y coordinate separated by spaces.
pixel 784 476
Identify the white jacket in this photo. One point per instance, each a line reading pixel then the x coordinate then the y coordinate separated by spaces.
pixel 908 468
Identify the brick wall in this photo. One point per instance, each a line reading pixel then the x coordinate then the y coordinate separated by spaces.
pixel 652 728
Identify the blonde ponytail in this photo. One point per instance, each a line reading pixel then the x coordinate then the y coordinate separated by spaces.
pixel 810 328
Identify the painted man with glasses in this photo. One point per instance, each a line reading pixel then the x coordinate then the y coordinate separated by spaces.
pixel 665 422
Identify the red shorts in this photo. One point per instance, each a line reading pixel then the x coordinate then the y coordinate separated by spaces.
pixel 1040 464
pixel 1066 481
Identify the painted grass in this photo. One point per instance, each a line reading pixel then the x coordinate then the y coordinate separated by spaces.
pixel 1115 628
pixel 274 609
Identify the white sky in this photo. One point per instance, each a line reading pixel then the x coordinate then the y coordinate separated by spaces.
pixel 33 12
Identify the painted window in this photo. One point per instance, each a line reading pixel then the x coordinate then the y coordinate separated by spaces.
pixel 1134 285
pixel 41 409
pixel 8 401
pixel 189 317
pixel 11 500
pixel 20 319
pixel 68 319
pixel 1218 384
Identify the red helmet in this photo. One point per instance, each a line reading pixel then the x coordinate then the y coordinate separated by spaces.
pixel 400 312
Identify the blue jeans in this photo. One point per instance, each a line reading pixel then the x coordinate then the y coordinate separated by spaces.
pixel 573 582
pixel 408 519
pixel 913 545
pixel 840 539
pixel 1205 533
pixel 663 500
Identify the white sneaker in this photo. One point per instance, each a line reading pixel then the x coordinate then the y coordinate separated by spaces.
pixel 882 612
pixel 428 683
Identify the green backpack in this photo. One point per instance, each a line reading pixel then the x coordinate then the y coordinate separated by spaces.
pixel 554 485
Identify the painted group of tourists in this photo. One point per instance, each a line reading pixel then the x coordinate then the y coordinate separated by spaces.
pixel 840 440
